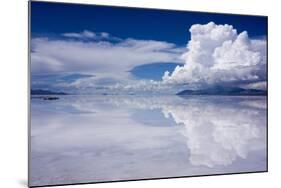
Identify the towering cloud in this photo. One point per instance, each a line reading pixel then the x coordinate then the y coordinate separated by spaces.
pixel 218 54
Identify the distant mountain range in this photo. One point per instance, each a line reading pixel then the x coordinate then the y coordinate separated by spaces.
pixel 45 92
pixel 219 90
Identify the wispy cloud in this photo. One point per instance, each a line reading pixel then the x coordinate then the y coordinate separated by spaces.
pixel 108 57
pixel 90 35
pixel 78 56
pixel 83 34
pixel 104 35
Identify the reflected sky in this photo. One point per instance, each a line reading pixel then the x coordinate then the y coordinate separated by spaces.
pixel 106 138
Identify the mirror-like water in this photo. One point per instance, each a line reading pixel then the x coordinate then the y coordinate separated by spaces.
pixel 107 138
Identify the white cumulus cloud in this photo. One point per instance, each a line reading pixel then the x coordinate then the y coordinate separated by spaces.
pixel 218 53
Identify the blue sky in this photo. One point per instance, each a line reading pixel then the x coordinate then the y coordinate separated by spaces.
pixel 56 18
pixel 131 44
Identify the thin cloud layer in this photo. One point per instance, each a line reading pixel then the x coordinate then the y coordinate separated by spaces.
pixel 218 54
pixel 98 56
pixel 83 34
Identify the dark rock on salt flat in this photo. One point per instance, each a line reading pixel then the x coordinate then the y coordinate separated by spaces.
pixel 50 98
pixel 45 97
pixel 45 92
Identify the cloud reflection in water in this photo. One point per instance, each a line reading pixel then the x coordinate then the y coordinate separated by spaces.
pixel 105 138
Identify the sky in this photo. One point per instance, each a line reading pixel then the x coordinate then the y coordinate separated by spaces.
pixel 101 49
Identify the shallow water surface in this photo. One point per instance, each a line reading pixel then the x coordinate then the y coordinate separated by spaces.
pixel 79 139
